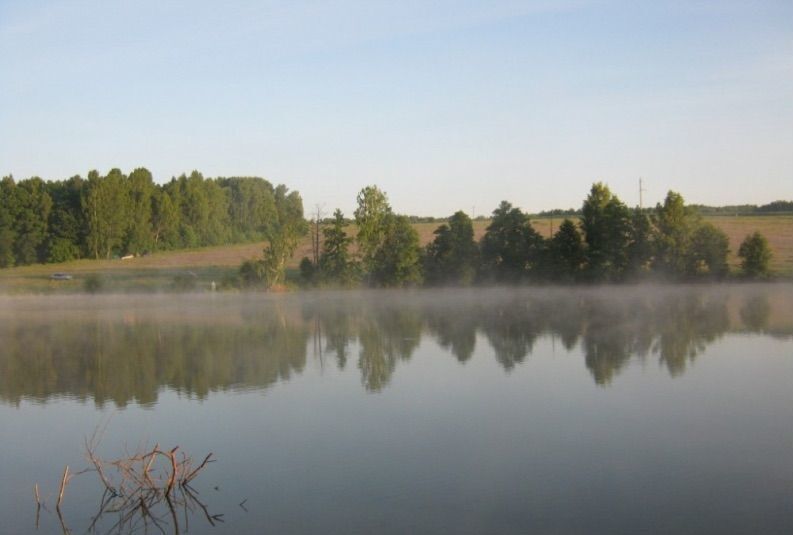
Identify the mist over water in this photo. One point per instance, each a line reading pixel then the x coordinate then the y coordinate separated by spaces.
pixel 565 410
pixel 125 349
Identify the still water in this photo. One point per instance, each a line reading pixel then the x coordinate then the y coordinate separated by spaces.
pixel 613 410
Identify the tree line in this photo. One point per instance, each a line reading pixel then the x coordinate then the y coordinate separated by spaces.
pixel 775 207
pixel 103 216
pixel 608 242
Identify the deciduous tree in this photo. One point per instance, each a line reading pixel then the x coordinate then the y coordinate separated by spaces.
pixel 755 256
pixel 370 217
pixel 511 249
pixel 452 256
pixel 335 263
pixel 283 234
pixel 397 262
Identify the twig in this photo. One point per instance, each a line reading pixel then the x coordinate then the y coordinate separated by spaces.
pixel 172 455
pixel 64 481
pixel 91 457
pixel 194 473
pixel 147 467
pixel 210 518
pixel 105 501
pixel 173 513
pixel 38 504
pixel 64 528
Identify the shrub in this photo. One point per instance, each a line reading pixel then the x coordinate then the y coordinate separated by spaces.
pixel 755 256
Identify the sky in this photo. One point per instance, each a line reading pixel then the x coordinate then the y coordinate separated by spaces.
pixel 445 105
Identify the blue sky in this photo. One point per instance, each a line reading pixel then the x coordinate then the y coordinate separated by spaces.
pixel 445 105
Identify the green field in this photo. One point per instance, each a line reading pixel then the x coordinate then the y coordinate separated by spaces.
pixel 156 272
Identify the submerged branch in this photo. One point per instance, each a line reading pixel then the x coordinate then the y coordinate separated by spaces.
pixel 139 488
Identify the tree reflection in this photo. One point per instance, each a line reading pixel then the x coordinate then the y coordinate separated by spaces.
pixel 118 362
pixel 755 313
pixel 120 354
pixel 608 338
pixel 454 332
pixel 512 328
pixel 686 325
pixel 676 327
pixel 386 335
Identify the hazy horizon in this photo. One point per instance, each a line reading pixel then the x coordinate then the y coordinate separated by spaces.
pixel 444 105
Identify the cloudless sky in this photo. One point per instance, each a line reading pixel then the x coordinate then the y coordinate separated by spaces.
pixel 445 105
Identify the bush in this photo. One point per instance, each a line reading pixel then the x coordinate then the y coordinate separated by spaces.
pixel 252 273
pixel 308 271
pixel 755 256
pixel 708 252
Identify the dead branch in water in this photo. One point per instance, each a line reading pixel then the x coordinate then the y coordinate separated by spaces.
pixel 38 504
pixel 140 487
pixel 64 482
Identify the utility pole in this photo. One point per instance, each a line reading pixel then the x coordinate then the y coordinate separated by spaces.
pixel 641 191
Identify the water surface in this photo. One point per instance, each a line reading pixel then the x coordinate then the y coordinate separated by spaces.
pixel 609 410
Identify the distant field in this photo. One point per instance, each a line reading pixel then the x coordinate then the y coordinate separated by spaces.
pixel 157 271
pixel 778 229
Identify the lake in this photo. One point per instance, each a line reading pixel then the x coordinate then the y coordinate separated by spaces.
pixel 651 409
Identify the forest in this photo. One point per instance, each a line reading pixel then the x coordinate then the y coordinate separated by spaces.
pixel 116 215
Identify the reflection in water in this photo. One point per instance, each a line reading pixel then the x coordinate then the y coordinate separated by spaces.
pixel 127 349
pixel 755 313
pixel 108 358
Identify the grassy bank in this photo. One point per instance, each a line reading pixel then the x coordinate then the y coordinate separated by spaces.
pixel 158 272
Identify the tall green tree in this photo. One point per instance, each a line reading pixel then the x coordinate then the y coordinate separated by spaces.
pixel 452 256
pixel 707 253
pixel 640 245
pixel 33 205
pixel 674 224
pixel 66 234
pixel 203 210
pixel 567 252
pixel 283 234
pixel 606 223
pixel 164 220
pixel 755 255
pixel 139 236
pixel 194 210
pixel 335 262
pixel 371 217
pixel 106 210
pixel 397 262
pixel 511 249
pixel 8 211
pixel 251 206
pixel 218 230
